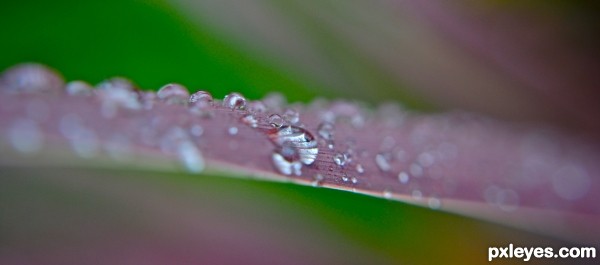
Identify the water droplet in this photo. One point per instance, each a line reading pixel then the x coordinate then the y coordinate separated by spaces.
pixel 403 177
pixel 358 121
pixel 326 130
pixel 257 107
pixel 345 178
pixel 274 101
pixel 117 93
pixel 117 83
pixel 330 146
pixel 31 78
pixel 387 193
pixel 340 159
pixel 425 159
pixel 571 182
pixel 354 180
pixel 382 162
pixel 78 88
pixel 291 116
pixel 190 156
pixel 505 199
pixel 360 169
pixel 416 170
pixel 275 120
pixel 250 120
pixel 174 94
pixel 234 101
pixel 298 138
pixel 196 130
pixel 25 136
pixel 286 166
pixel 317 180
pixel 83 140
pixel 176 141
pixel 232 130
pixel 417 194
pixel 201 98
pixel 434 203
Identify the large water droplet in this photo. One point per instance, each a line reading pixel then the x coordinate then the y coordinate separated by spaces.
pixel 31 78
pixel 298 138
pixel 250 120
pixel 234 101
pixel 232 130
pixel 174 94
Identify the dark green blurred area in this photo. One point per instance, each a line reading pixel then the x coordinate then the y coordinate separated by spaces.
pixel 145 41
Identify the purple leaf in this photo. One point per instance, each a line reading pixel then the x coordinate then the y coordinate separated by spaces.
pixel 529 176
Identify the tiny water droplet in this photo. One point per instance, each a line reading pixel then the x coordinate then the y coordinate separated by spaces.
pixel 25 136
pixel 275 120
pixel 326 130
pixel 360 169
pixel 257 106
pixel 403 177
pixel 387 193
pixel 250 120
pixel 274 101
pixel 291 116
pixel 317 180
pixel 417 194
pixel 416 170
pixel 196 130
pixel 232 130
pixel 434 203
pixel 234 101
pixel 345 178
pixel 354 180
pixel 426 159
pixel 117 93
pixel 382 162
pixel 117 83
pixel 340 159
pixel 174 94
pixel 78 88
